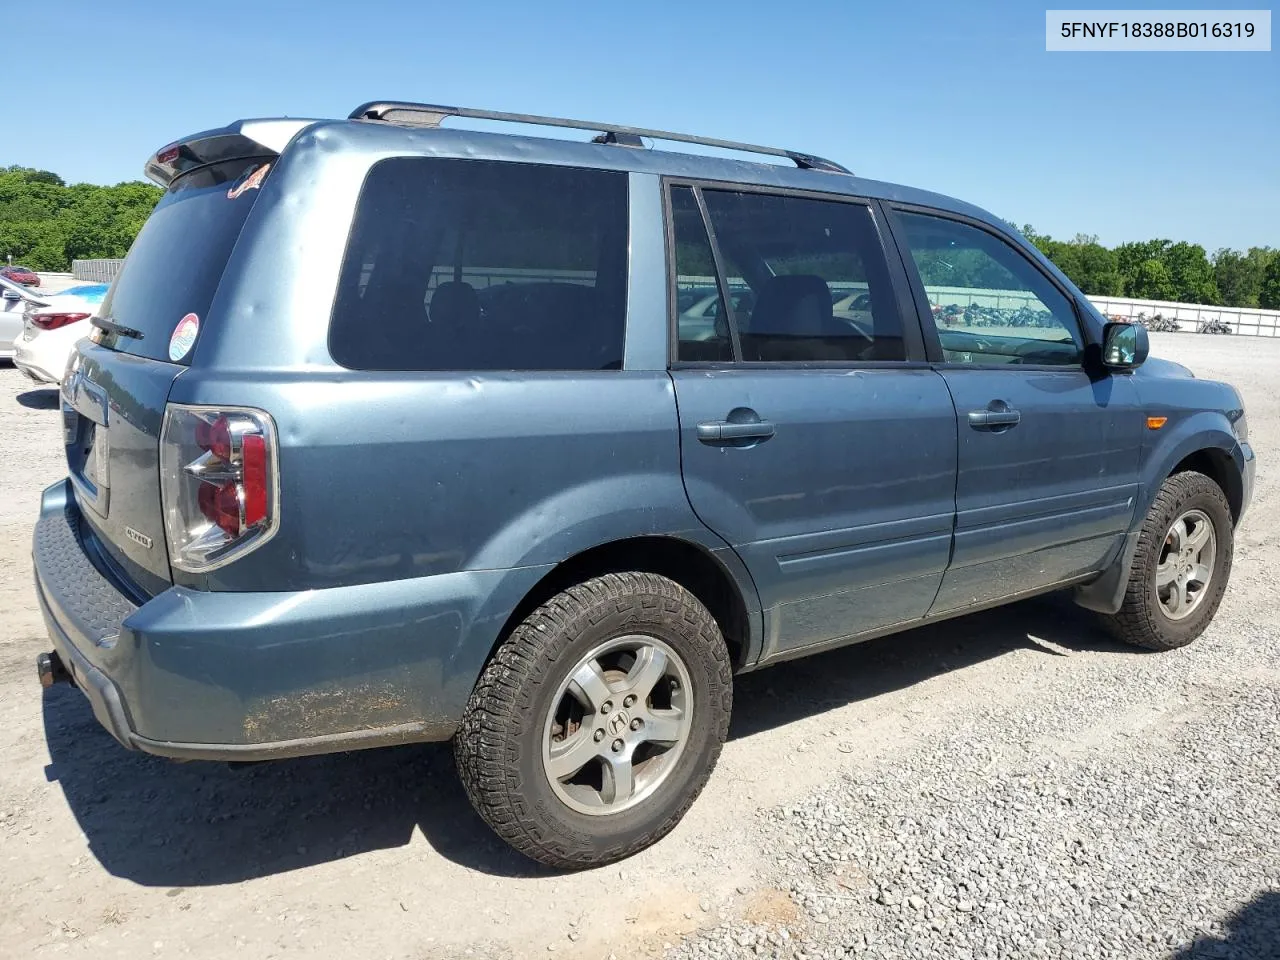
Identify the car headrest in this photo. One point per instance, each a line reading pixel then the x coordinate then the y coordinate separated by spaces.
pixel 454 304
pixel 798 305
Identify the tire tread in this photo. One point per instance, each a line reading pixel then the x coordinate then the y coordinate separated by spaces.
pixel 1135 622
pixel 485 746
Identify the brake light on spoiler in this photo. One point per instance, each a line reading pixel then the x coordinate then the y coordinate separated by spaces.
pixel 218 483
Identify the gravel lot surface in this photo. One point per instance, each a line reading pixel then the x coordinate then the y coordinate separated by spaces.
pixel 1011 784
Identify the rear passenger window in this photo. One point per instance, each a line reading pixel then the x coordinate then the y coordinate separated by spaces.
pixel 482 265
pixel 807 277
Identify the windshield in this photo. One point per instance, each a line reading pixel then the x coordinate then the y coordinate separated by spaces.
pixel 174 267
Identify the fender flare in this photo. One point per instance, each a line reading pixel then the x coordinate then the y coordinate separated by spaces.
pixel 1201 431
pixel 613 510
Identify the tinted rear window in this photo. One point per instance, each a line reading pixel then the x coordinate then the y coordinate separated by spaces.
pixel 483 265
pixel 174 266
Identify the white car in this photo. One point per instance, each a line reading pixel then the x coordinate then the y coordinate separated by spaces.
pixel 698 322
pixel 52 328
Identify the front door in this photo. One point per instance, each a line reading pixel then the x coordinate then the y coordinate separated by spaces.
pixel 813 439
pixel 1048 451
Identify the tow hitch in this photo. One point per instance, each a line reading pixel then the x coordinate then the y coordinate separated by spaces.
pixel 51 670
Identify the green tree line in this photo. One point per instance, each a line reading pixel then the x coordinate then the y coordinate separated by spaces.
pixel 1164 270
pixel 46 223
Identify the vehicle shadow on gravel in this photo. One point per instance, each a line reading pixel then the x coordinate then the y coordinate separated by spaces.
pixel 160 823
pixel 42 398
pixel 804 688
pixel 1251 933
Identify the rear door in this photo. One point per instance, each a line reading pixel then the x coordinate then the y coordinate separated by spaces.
pixel 1048 449
pixel 819 446
pixel 115 394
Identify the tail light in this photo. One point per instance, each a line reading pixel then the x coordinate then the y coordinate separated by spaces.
pixel 218 482
pixel 52 321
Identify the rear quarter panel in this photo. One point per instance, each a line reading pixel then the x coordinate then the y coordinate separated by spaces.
pixel 391 477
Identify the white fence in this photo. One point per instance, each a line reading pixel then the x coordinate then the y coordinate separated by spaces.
pixel 95 271
pixel 1190 317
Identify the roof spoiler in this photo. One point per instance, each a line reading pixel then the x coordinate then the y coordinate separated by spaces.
pixel 430 115
pixel 245 138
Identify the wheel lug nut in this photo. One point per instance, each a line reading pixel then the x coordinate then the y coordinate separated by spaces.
pixel 675 684
pixel 599 735
pixel 617 746
pixel 630 699
pixel 637 723
pixel 607 707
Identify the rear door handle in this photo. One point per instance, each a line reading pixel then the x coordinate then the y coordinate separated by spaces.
pixel 989 419
pixel 721 431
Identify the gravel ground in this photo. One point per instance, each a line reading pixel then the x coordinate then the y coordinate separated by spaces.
pixel 1131 808
pixel 1010 784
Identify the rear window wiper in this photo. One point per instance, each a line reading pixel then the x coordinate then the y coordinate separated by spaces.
pixel 120 330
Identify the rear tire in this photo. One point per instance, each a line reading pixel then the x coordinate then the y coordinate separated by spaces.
pixel 598 721
pixel 1180 568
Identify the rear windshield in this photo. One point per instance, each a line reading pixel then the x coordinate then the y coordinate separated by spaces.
pixel 174 266
pixel 484 265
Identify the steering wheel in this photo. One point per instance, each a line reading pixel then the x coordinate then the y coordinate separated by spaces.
pixel 858 328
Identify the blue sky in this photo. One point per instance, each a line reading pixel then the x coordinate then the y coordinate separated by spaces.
pixel 956 97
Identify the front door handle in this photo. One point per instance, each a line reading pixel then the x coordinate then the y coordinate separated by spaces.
pixel 723 431
pixel 998 416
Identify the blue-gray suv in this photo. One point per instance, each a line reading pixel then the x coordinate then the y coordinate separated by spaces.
pixel 390 432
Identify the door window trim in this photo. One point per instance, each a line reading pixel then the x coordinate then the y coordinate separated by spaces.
pixel 913 337
pixel 929 328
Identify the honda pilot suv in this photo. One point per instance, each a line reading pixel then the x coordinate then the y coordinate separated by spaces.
pixel 390 432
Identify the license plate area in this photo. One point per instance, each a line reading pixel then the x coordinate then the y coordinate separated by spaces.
pixel 88 459
pixel 84 424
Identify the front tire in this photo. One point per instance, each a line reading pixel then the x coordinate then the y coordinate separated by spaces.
pixel 1180 568
pixel 598 721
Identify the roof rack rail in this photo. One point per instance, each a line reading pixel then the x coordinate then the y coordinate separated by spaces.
pixel 430 115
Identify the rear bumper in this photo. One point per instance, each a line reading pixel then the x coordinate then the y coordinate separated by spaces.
pixel 33 370
pixel 250 676
pixel 39 362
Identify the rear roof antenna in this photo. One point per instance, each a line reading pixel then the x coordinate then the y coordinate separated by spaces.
pixel 621 139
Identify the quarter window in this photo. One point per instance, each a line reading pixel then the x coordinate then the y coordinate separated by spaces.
pixel 482 265
pixel 702 326
pixel 990 304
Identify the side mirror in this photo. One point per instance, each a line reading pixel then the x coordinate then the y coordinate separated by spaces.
pixel 1124 345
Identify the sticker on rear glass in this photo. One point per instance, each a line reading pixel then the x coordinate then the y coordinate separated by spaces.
pixel 249 180
pixel 184 337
